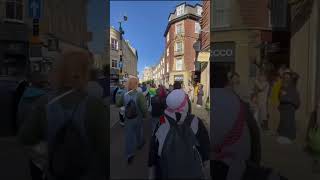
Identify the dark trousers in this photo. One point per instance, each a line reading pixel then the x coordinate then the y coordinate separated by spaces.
pixel 218 170
pixel 35 172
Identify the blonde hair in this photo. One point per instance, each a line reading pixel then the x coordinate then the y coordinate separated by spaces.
pixel 71 70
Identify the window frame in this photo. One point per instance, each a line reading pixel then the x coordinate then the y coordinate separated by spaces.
pixel 197 25
pixel 221 11
pixel 116 63
pixel 182 28
pixel 16 4
pixel 168 52
pixel 199 9
pixel 116 44
pixel 180 60
pixel 180 10
pixel 176 46
pixel 168 67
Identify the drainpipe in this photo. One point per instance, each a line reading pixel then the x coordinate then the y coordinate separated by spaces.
pixel 318 64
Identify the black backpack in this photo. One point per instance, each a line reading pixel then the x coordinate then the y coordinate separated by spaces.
pixel 131 111
pixel 69 150
pixel 157 106
pixel 180 158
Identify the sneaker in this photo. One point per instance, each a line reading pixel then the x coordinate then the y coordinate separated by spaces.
pixel 121 123
pixel 284 140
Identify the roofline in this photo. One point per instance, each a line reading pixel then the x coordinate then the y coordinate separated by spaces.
pixel 186 16
pixel 185 3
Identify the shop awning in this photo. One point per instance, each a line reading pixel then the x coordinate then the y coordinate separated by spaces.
pixel 204 56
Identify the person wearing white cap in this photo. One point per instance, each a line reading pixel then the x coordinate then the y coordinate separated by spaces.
pixel 180 143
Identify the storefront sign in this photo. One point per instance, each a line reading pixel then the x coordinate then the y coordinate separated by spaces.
pixel 178 78
pixel 223 52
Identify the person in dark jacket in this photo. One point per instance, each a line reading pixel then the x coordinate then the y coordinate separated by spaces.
pixel 289 103
pixel 69 79
pixel 32 93
pixel 177 109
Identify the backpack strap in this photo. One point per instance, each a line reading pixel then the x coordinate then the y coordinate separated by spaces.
pixel 232 136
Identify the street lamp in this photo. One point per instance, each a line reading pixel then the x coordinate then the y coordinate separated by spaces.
pixel 125 18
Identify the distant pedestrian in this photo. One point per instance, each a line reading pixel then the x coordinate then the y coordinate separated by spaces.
pixel 120 94
pixel 158 107
pixel 289 104
pixel 68 123
pixel 180 143
pixel 177 85
pixel 200 96
pixel 135 111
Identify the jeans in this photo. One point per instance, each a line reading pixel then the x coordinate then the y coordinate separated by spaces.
pixel 133 135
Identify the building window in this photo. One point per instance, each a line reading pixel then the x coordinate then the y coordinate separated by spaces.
pixel 14 9
pixel 179 47
pixel 197 27
pixel 114 63
pixel 114 44
pixel 167 51
pixel 167 67
pixel 180 10
pixel 179 64
pixel 221 13
pixel 179 28
pixel 199 10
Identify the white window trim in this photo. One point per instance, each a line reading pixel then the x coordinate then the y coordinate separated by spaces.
pixel 181 65
pixel 180 10
pixel 117 64
pixel 168 37
pixel 199 10
pixel 197 25
pixel 167 52
pixel 176 46
pixel 182 28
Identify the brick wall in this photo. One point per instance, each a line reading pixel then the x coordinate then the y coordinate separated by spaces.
pixel 190 38
pixel 254 13
pixel 205 25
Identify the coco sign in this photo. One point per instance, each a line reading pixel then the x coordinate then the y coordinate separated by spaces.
pixel 223 52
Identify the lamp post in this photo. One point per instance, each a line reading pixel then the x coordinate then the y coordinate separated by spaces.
pixel 125 18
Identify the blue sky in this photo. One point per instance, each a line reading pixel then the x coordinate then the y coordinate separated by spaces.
pixel 97 20
pixel 147 21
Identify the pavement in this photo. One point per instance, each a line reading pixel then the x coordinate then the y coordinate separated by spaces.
pixel 290 161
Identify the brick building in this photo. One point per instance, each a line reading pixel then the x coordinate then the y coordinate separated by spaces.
pixel 181 33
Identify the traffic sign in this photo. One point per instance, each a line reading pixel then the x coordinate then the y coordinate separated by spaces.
pixel 35 8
